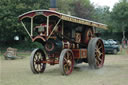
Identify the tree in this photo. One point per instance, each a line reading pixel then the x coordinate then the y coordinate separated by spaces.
pixel 83 9
pixel 119 17
pixel 79 8
pixel 102 15
pixel 10 10
pixel 65 6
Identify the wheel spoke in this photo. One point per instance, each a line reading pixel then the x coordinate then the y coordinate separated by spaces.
pixel 98 44
pixel 70 57
pixel 36 67
pixel 34 62
pixel 100 47
pixel 40 67
pixel 68 68
pixel 65 68
pixel 99 59
pixel 40 56
pixel 67 55
pixel 99 55
pixel 97 62
pixel 65 60
pixel 36 57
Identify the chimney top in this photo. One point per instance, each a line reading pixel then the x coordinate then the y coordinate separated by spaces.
pixel 52 5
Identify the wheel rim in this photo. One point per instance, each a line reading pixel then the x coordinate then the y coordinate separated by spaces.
pixel 68 62
pixel 99 53
pixel 38 66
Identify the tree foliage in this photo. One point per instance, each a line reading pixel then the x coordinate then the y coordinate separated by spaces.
pixel 9 12
pixel 83 9
pixel 102 14
pixel 119 17
pixel 79 8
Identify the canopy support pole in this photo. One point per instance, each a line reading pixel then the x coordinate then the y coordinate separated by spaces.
pixel 26 29
pixel 31 26
pixel 55 27
pixel 47 25
pixel 62 28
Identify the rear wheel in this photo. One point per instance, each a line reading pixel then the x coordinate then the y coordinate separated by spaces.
pixel 96 53
pixel 66 62
pixel 36 59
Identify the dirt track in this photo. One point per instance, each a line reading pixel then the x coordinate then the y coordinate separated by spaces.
pixel 114 72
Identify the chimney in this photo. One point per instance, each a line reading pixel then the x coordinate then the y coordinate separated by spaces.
pixel 52 5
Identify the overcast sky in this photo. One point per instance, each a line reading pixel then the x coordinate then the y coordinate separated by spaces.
pixel 109 3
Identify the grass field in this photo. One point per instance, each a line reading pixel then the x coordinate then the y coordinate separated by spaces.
pixel 114 72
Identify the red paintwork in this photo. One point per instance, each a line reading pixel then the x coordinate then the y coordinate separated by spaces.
pixel 38 37
pixel 27 15
pixel 76 53
pixel 49 62
pixel 79 53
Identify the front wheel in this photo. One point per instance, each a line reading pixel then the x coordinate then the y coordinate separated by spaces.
pixel 66 62
pixel 36 61
pixel 96 53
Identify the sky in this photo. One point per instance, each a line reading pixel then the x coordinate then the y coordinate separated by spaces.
pixel 109 3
